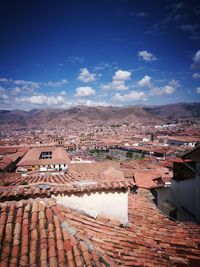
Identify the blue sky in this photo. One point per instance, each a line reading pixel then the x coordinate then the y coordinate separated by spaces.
pixel 59 54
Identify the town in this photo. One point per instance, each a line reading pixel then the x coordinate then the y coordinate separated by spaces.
pixel 142 170
pixel 99 133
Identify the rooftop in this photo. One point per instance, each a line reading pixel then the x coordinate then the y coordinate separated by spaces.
pixel 44 233
pixel 33 156
pixel 37 231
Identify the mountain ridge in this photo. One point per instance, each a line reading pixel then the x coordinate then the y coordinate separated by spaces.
pixel 85 114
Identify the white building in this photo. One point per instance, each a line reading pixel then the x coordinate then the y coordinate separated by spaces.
pixel 44 159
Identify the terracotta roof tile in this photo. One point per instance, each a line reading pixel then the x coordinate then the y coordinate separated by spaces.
pixel 39 231
pixel 146 173
pixel 41 242
pixel 45 189
pixel 32 157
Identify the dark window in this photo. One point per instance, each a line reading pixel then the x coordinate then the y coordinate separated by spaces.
pixel 46 155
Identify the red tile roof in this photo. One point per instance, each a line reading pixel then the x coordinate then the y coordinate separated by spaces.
pixel 146 173
pixel 32 157
pixel 8 150
pixel 47 189
pixel 7 178
pixel 43 233
pixel 36 231
pixel 33 234
pixel 5 162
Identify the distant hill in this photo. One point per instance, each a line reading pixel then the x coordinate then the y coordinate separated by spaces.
pixel 175 111
pixel 84 114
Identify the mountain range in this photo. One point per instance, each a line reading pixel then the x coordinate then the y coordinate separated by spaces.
pixel 84 114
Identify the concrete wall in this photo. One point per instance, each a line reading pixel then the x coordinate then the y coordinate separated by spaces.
pixel 185 195
pixel 111 204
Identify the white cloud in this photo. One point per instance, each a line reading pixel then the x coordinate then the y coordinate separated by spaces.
pixel 4 100
pixel 187 27
pixel 75 59
pixel 145 82
pixel 4 80
pixel 91 103
pixel 35 85
pixel 134 95
pixel 122 75
pixel 2 90
pixel 119 85
pixel 174 83
pixel 198 90
pixel 16 91
pixel 118 81
pixel 84 91
pixel 63 93
pixel 156 91
pixel 192 29
pixel 140 14
pixel 196 61
pixel 168 89
pixel 106 86
pixel 86 76
pixel 196 75
pixel 4 96
pixel 26 85
pixel 42 100
pixel 104 65
pixel 146 56
pixel 57 84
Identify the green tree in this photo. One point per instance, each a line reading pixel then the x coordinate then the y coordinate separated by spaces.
pixel 129 154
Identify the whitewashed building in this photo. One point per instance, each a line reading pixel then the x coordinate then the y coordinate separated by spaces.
pixel 44 159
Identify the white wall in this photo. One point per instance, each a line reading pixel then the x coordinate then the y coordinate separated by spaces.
pixel 111 204
pixel 46 168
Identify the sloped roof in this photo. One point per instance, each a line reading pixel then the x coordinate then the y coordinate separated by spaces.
pixel 5 162
pixel 36 230
pixel 43 233
pixel 48 189
pixel 145 173
pixel 32 157
pixel 34 234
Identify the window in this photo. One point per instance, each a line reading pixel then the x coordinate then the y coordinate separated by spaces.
pixel 46 155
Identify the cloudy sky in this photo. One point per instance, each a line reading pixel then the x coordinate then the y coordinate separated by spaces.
pixel 62 53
